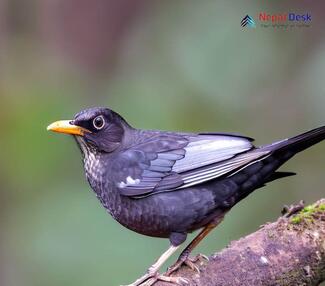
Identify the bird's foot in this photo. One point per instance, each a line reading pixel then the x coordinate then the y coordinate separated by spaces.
pixel 292 209
pixel 150 279
pixel 188 261
pixel 149 276
pixel 152 274
pixel 171 279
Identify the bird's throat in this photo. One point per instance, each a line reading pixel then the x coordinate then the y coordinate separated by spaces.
pixel 91 160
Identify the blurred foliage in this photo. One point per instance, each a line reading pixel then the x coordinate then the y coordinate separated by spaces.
pixel 178 65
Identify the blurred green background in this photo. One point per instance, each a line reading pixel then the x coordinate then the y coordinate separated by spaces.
pixel 175 65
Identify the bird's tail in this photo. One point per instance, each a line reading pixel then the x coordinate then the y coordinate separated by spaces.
pixel 264 171
pixel 298 143
pixel 282 151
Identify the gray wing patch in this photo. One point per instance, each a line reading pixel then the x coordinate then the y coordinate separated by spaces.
pixel 216 170
pixel 208 149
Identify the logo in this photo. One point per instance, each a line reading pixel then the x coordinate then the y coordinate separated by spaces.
pixel 248 21
pixel 282 20
pixel 284 17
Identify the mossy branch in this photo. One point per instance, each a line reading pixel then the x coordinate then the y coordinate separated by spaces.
pixel 290 251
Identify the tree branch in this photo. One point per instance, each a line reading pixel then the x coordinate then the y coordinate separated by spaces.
pixel 290 251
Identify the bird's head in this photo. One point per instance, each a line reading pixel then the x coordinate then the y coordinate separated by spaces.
pixel 95 129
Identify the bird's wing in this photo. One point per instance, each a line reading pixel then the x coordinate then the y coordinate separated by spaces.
pixel 173 161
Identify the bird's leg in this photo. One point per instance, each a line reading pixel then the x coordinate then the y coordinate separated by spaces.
pixel 152 273
pixel 184 256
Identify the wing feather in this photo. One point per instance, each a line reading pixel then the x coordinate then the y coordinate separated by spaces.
pixel 222 168
pixel 206 149
pixel 175 161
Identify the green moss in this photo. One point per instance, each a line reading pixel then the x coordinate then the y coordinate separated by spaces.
pixel 307 214
pixel 308 209
pixel 296 220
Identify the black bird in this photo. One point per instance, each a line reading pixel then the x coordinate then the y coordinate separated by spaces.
pixel 168 184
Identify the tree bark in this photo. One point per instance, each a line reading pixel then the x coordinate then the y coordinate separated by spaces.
pixel 290 251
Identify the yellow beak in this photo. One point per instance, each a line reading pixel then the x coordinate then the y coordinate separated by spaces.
pixel 64 126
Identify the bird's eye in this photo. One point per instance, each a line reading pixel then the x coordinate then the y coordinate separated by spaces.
pixel 99 122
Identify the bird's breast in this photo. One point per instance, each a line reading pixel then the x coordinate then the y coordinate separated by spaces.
pixel 156 215
pixel 93 167
pixel 142 216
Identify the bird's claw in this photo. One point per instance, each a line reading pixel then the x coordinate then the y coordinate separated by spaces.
pixel 145 279
pixel 192 265
pixel 149 282
pixel 151 278
pixel 199 257
pixel 174 280
pixel 188 261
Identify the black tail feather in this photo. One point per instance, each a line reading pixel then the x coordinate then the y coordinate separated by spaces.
pixel 256 175
pixel 279 175
pixel 300 142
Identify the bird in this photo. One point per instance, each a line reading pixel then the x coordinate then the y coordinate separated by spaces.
pixel 168 184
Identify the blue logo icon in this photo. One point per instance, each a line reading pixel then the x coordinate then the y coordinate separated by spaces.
pixel 248 21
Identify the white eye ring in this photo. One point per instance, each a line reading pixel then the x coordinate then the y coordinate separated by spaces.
pixel 99 122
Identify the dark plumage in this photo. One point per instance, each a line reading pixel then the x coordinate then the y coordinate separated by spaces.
pixel 167 184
